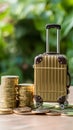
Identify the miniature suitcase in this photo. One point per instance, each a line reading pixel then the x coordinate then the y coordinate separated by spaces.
pixel 51 76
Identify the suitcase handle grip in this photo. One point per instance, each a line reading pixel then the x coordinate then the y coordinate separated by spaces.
pixel 69 79
pixel 49 26
pixel 58 27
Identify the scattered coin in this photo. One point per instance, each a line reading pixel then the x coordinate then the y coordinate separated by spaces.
pixel 5 111
pixel 40 111
pixel 53 113
pixel 22 111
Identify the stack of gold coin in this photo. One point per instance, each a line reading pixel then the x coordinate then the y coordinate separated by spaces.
pixel 25 95
pixel 6 111
pixel 7 91
pixel 17 95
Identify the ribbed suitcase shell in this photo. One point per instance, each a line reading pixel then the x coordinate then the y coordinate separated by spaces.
pixel 50 77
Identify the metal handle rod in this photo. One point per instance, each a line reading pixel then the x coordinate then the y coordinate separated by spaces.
pixel 58 41
pixel 58 27
pixel 47 39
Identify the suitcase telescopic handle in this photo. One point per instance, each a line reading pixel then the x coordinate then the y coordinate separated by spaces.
pixel 48 26
pixel 58 27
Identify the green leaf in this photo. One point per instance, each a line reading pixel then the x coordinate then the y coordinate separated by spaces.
pixel 70 53
pixel 2 24
pixel 8 29
pixel 16 9
pixel 67 3
pixel 32 10
pixel 4 14
pixel 58 13
pixel 42 20
pixel 32 1
pixel 55 1
pixel 8 1
pixel 67 24
pixel 2 48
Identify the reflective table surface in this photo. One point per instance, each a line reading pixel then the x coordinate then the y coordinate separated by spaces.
pixel 37 122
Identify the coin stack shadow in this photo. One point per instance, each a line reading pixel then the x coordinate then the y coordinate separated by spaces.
pixel 25 95
pixel 8 92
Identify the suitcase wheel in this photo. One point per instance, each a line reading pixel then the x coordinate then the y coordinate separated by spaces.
pixel 38 101
pixel 66 103
pixel 63 102
pixel 62 106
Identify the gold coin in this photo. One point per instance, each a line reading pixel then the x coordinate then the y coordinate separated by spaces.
pixel 40 111
pixel 53 113
pixel 22 110
pixel 6 111
pixel 24 113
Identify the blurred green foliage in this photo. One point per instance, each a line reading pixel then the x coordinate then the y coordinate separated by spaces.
pixel 22 33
